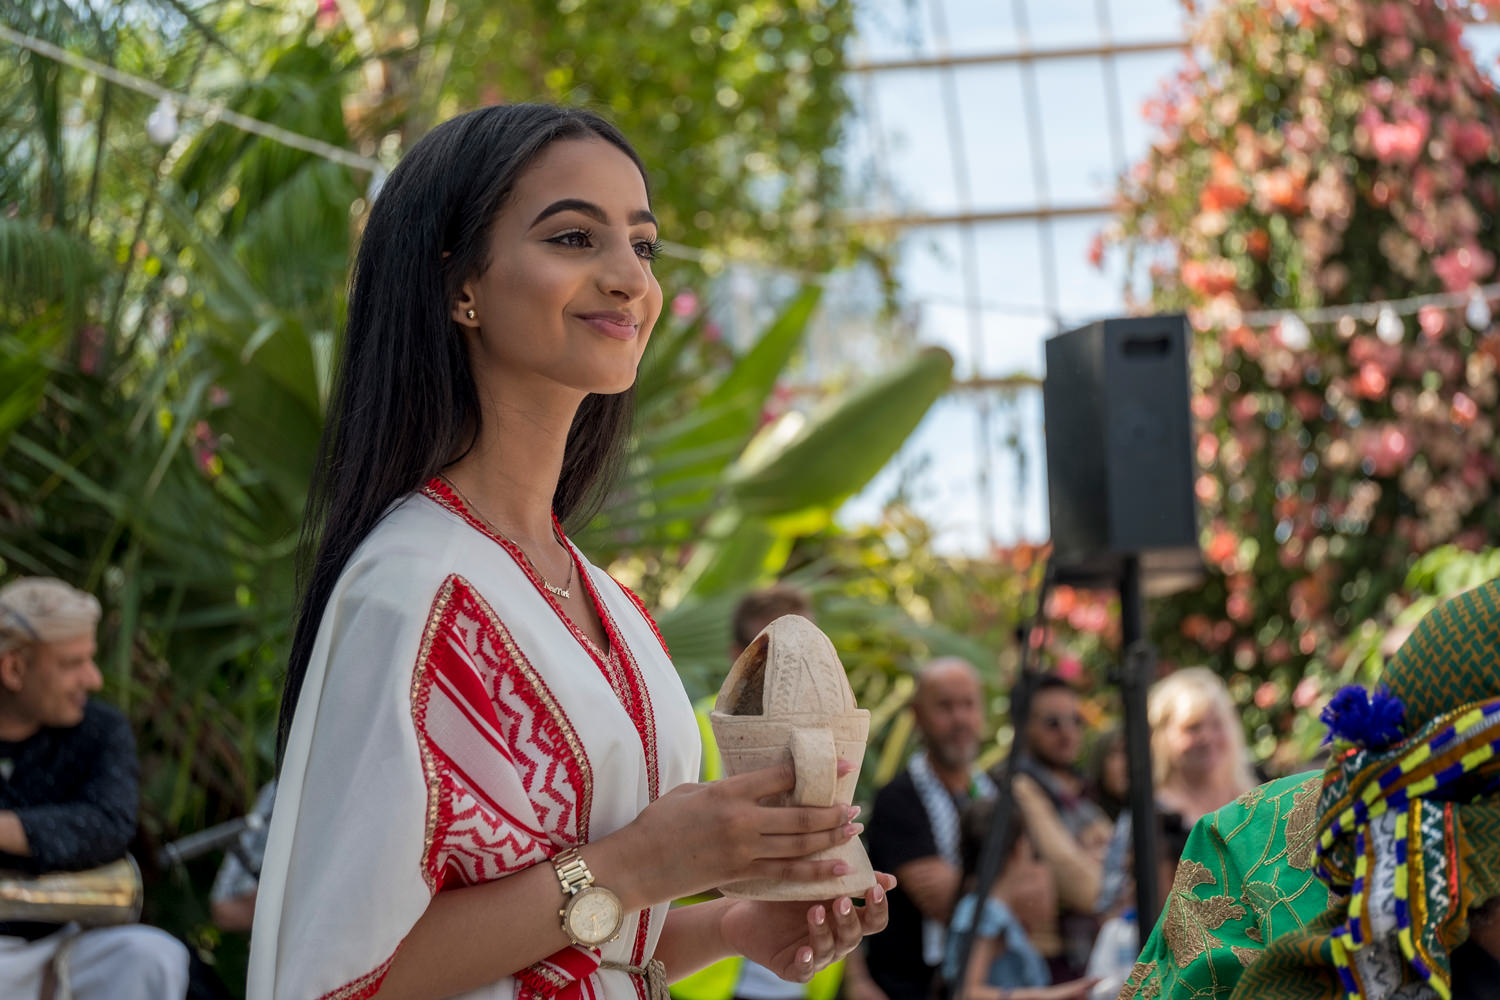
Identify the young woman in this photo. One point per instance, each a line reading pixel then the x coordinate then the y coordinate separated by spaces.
pixel 485 788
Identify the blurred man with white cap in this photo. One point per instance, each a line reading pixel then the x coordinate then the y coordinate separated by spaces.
pixel 68 797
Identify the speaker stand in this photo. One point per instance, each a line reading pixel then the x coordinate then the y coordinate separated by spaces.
pixel 1137 670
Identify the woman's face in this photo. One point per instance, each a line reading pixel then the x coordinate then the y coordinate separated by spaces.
pixel 567 300
pixel 1197 743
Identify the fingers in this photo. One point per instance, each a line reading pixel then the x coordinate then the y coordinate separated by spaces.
pixel 774 780
pixel 806 819
pixel 821 942
pixel 796 870
pixel 874 915
pixel 758 784
pixel 847 925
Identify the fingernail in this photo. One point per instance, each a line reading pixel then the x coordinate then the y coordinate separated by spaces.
pixel 845 767
pixel 841 868
pixel 844 906
pixel 806 956
pixel 877 895
pixel 854 812
pixel 819 915
pixel 854 829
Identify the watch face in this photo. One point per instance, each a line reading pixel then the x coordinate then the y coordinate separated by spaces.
pixel 594 915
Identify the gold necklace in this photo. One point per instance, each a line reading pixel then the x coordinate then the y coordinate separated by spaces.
pixel 565 591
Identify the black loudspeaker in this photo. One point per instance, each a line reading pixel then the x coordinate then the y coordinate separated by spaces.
pixel 1119 453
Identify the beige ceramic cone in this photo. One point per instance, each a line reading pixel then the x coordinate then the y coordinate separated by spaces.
pixel 787 698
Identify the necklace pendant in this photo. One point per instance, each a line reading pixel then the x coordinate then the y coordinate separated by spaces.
pixel 557 591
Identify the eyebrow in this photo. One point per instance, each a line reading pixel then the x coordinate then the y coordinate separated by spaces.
pixel 592 211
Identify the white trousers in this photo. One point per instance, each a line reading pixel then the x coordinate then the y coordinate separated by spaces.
pixel 131 962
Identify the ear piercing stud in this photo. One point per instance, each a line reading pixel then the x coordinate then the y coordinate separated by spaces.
pixel 469 313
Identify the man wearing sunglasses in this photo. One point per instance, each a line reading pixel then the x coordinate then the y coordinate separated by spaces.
pixel 1074 831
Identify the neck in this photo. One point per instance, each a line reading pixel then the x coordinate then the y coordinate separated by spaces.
pixel 512 471
pixel 15 727
pixel 1196 800
pixel 955 779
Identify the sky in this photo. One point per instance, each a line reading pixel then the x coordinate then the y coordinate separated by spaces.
pixel 903 149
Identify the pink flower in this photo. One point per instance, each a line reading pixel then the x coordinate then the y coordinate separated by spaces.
pixel 1096 251
pixel 1399 142
pixel 1267 694
pixel 684 304
pixel 1469 139
pixel 1306 692
pixel 1371 382
pixel 90 345
pixel 1462 268
pixel 1070 668
pixel 1464 410
pixel 1389 19
pixel 1432 320
pixel 713 332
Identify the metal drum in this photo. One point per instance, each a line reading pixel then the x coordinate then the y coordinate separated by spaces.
pixel 98 897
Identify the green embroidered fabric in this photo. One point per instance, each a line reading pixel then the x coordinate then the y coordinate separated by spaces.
pixel 1247 918
pixel 1245 878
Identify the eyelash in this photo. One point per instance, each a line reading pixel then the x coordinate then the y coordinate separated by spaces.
pixel 653 247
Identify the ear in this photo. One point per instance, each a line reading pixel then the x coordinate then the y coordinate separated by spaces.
pixel 13 664
pixel 465 311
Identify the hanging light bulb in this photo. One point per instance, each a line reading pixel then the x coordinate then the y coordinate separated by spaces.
pixel 1388 326
pixel 1477 312
pixel 161 123
pixel 1295 335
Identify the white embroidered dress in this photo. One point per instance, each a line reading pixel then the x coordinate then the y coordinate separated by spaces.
pixel 455 727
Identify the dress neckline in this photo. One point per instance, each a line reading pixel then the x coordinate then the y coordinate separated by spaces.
pixel 440 493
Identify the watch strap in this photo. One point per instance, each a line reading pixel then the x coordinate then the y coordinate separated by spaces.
pixel 572 871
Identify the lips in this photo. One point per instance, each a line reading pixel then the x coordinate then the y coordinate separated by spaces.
pixel 617 325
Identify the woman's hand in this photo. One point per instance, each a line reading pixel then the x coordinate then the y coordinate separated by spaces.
pixel 702 836
pixel 797 940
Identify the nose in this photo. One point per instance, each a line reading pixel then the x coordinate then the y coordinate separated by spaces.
pixel 622 273
pixel 93 680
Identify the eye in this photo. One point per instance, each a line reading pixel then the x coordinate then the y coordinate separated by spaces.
pixel 578 238
pixel 648 249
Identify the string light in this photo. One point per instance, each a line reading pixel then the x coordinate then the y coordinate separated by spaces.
pixel 1477 312
pixel 1388 327
pixel 161 124
pixel 1475 302
pixel 1294 333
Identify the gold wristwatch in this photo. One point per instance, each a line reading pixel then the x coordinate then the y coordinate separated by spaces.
pixel 591 914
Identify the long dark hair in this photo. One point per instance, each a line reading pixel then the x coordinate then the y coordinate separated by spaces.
pixel 404 404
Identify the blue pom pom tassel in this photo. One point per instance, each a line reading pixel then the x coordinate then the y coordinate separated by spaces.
pixel 1372 723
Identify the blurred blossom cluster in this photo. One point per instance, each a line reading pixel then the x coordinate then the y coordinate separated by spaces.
pixel 1315 153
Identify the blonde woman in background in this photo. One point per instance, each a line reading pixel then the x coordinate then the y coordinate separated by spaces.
pixel 1199 762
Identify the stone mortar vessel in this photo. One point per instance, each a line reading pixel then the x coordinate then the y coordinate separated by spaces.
pixel 787 698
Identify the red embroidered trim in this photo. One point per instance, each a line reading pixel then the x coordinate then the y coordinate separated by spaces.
pixel 640 606
pixel 365 986
pixel 532 735
pixel 630 688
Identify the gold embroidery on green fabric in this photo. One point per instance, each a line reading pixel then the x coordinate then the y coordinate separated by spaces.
pixel 1249 799
pixel 1141 984
pixel 1302 824
pixel 1245 955
pixel 1190 919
